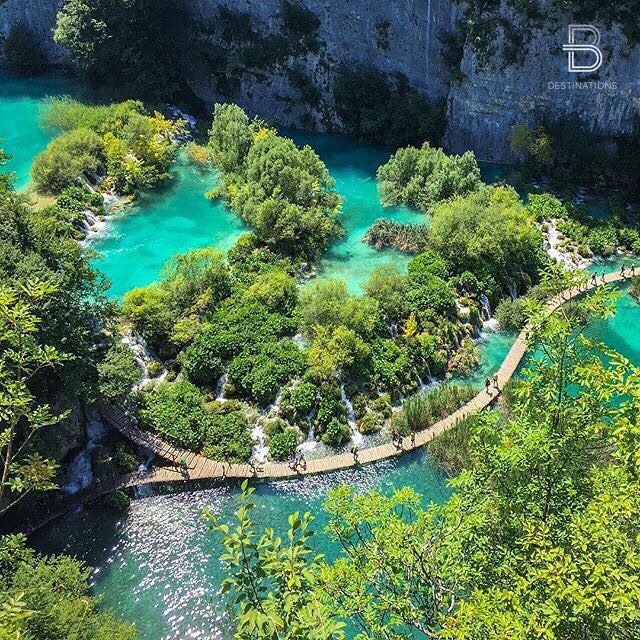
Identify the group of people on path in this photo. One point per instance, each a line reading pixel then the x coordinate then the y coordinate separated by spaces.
pixel 487 384
pixel 624 272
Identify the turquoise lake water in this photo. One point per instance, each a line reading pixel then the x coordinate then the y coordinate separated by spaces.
pixel 157 565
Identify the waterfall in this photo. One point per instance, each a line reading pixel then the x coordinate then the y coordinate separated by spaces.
pixel 310 443
pixel 80 474
pixel 356 437
pixel 143 355
pixel 393 329
pixel 429 386
pixel 513 289
pixel 260 451
pixel 486 307
pixel 220 388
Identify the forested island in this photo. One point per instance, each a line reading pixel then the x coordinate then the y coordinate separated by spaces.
pixel 257 351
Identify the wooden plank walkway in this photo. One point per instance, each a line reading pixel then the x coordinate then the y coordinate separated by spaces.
pixel 201 468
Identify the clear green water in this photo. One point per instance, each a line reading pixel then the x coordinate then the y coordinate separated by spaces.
pixel 156 566
pixel 21 105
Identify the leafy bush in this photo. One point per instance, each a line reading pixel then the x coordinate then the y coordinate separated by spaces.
pixel 125 460
pixel 175 411
pixel 466 359
pixel 22 53
pixel 405 237
pixel 118 373
pixel 117 501
pixel 511 314
pixel 422 178
pixel 283 445
pixel 228 438
pixel 336 432
pixel 77 153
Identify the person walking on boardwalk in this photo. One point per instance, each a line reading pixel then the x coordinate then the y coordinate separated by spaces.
pixel 495 382
pixel 354 453
pixel 602 277
pixel 593 279
pixel 622 273
pixel 633 269
pixel 487 385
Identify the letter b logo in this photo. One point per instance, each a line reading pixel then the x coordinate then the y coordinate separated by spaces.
pixel 592 48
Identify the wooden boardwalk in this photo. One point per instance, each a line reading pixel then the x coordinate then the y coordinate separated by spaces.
pixel 201 468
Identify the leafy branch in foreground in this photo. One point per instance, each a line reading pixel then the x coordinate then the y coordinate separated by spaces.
pixel 22 358
pixel 274 580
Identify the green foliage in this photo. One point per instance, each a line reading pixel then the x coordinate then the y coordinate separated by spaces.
pixel 335 352
pixel 286 194
pixel 491 234
pixel 118 373
pixel 545 206
pixel 298 402
pixel 390 364
pixel 327 303
pixel 274 580
pixel 125 460
pixel 331 419
pixel 283 445
pixel 386 109
pixel 139 47
pixel 176 412
pixel 388 286
pixel 424 177
pixel 405 237
pixel 117 501
pixel 539 537
pixel 452 449
pixel 427 264
pixel 22 53
pixel 49 597
pixel 22 356
pixel 425 409
pixel 75 154
pixel 466 358
pixel 135 149
pixel 511 314
pixel 228 438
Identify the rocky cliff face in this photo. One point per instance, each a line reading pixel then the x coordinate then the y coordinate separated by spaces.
pixel 482 105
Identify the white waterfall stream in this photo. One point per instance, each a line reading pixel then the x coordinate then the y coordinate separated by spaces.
pixel 356 437
pixel 80 474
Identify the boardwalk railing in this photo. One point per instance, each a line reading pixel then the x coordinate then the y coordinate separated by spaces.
pixel 201 468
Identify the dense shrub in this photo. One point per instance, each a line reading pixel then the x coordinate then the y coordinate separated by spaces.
pixel 285 193
pixel 426 176
pixel 283 445
pixel 405 237
pixel 117 373
pixel 228 438
pixel 511 314
pixel 80 152
pixel 452 448
pixel 175 411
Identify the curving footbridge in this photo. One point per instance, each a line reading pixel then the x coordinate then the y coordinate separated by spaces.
pixel 189 466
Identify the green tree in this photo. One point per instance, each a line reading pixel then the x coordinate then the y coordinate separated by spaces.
pixel 22 52
pixel 118 373
pixel 22 357
pixel 124 43
pixel 424 177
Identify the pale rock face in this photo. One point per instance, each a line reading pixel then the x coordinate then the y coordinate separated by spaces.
pixel 481 108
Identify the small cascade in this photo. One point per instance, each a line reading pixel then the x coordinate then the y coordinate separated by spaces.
pixel 356 437
pixel 426 387
pixel 274 409
pixel 80 474
pixel 300 341
pixel 310 443
pixel 513 289
pixel 485 307
pixel 146 465
pixel 220 388
pixel 140 352
pixel 260 451
pixel 143 355
pixel 393 329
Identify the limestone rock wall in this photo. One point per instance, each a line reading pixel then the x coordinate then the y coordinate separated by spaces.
pixel 482 106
